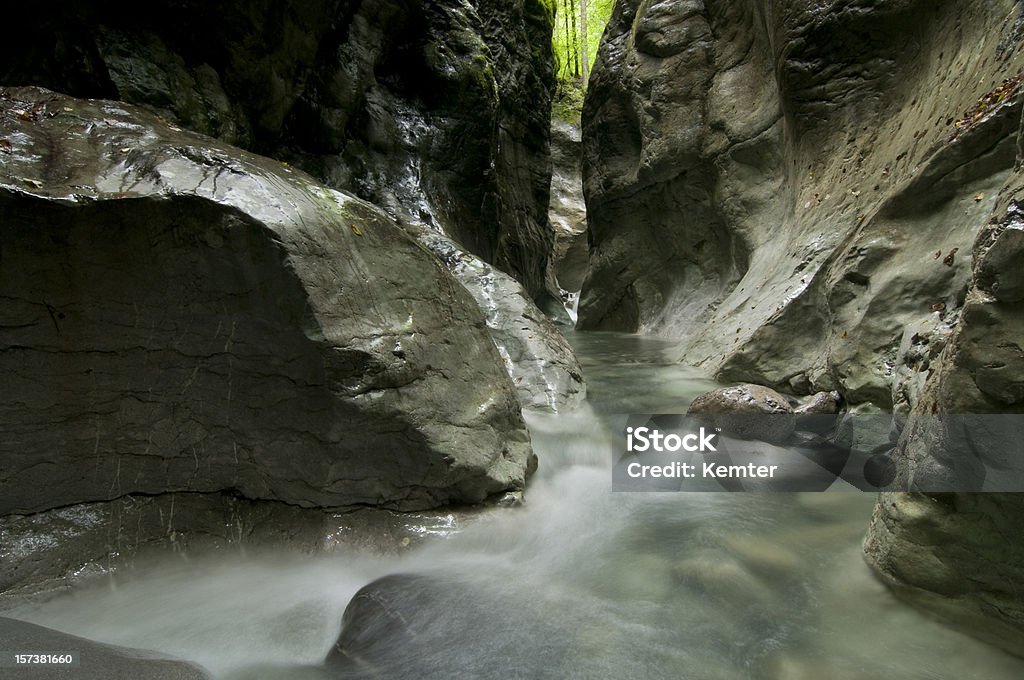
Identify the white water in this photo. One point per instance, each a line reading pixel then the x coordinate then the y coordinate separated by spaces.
pixel 580 583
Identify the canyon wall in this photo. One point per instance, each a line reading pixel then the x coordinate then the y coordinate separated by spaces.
pixel 436 111
pixel 959 554
pixel 786 187
pixel 819 196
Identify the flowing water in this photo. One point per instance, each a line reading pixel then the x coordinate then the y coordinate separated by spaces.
pixel 579 583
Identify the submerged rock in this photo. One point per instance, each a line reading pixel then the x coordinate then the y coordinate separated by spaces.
pixel 184 316
pixel 540 362
pixel 94 660
pixel 747 411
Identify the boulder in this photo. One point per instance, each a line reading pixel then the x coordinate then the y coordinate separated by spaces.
pixel 747 411
pixel 345 90
pixel 181 315
pixel 402 625
pixel 92 660
pixel 821 403
pixel 542 365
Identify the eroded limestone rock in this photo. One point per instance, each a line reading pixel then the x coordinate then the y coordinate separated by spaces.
pixel 961 555
pixel 787 190
pixel 568 211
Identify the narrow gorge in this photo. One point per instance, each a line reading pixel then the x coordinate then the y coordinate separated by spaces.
pixel 328 328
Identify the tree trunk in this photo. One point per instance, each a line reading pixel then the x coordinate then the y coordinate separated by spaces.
pixel 570 5
pixel 585 51
pixel 568 39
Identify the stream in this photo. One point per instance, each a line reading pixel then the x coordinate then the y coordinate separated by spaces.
pixel 579 583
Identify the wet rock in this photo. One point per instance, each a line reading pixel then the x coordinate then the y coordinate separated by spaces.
pixel 745 398
pixel 955 556
pixel 402 626
pixel 344 90
pixel 747 411
pixel 59 547
pixel 185 316
pixel 959 554
pixel 568 211
pixel 740 202
pixel 999 271
pixel 542 365
pixel 95 660
pixel 821 403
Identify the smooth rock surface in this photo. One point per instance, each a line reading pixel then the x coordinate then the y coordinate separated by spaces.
pixel 402 625
pixel 785 190
pixel 542 365
pixel 96 661
pixel 184 316
pixel 568 211
pixel 60 548
pixel 436 110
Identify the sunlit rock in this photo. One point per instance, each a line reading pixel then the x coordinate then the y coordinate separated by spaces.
pixel 568 212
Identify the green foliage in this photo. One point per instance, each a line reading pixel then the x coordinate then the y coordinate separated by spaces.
pixel 570 44
pixel 568 103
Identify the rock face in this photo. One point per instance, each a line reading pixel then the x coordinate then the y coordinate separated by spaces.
pixel 799 192
pixel 437 111
pixel 180 315
pixel 57 549
pixel 568 212
pixel 961 554
pixel 96 661
pixel 542 365
pixel 786 190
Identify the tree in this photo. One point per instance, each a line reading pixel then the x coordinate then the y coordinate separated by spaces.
pixel 576 40
pixel 586 41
